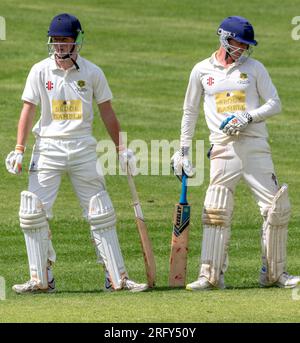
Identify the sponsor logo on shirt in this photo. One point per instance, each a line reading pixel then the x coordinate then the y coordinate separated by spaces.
pixel 232 101
pixel 66 109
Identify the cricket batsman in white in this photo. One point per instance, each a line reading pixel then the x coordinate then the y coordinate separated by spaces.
pixel 64 85
pixel 239 97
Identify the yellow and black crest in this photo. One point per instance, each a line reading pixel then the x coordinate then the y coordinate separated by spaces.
pixel 81 83
pixel 243 76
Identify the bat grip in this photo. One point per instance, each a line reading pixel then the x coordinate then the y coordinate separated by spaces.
pixel 132 188
pixel 183 197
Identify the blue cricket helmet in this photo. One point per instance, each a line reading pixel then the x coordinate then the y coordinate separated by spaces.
pixel 65 25
pixel 237 28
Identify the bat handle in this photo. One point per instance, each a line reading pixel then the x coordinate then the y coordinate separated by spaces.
pixel 183 195
pixel 132 188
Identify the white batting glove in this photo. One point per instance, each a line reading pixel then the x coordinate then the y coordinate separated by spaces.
pixel 235 123
pixel 14 160
pixel 127 160
pixel 180 161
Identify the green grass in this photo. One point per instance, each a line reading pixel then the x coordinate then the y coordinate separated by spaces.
pixel 147 49
pixel 159 306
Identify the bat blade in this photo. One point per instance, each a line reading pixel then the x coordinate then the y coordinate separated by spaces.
pixel 179 245
pixel 149 260
pixel 147 252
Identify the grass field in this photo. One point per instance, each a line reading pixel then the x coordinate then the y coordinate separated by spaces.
pixel 147 50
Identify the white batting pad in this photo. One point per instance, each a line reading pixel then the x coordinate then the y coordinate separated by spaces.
pixel 97 249
pixel 274 235
pixel 216 219
pixel 35 226
pixel 218 206
pixel 214 252
pixel 103 227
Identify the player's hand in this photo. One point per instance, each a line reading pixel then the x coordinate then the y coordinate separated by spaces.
pixel 235 123
pixel 14 160
pixel 180 161
pixel 127 161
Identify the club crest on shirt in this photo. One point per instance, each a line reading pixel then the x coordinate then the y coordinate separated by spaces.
pixel 81 83
pixel 243 78
pixel 81 86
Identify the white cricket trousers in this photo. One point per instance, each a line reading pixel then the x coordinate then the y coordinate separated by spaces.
pixel 51 158
pixel 247 158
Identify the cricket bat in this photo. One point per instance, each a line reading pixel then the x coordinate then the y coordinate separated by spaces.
pixel 143 232
pixel 180 235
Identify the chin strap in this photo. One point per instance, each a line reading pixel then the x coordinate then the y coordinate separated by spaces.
pixel 75 64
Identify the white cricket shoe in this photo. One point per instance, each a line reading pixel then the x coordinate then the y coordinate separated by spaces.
pixel 32 286
pixel 202 284
pixel 285 281
pixel 133 286
pixel 127 285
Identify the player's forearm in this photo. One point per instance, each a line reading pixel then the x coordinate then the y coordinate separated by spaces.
pixel 191 108
pixel 113 128
pixel 25 123
pixel 270 108
pixel 111 122
pixel 188 125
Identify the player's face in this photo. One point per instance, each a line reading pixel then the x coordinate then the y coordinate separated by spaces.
pixel 237 48
pixel 62 45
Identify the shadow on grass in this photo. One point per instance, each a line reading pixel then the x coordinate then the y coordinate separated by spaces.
pixel 241 287
pixel 102 291
pixel 157 289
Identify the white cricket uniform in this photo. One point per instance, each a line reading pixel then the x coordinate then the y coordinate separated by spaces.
pixel 239 88
pixel 64 141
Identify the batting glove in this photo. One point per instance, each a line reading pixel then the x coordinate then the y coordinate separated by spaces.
pixel 235 123
pixel 127 161
pixel 14 160
pixel 180 161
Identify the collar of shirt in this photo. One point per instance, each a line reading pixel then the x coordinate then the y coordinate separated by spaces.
pixel 213 60
pixel 54 66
